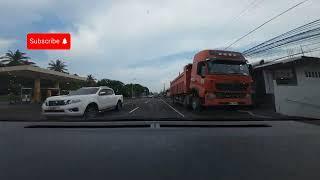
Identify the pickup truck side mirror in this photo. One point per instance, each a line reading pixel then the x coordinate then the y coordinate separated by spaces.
pixel 102 93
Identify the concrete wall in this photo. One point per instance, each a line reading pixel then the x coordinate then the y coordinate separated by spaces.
pixel 268 81
pixel 303 99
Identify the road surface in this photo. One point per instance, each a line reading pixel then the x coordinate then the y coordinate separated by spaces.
pixel 145 108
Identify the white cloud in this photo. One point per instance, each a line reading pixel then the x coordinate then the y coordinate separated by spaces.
pixel 108 36
pixel 5 44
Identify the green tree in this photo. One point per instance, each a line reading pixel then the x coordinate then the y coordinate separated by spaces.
pixel 16 58
pixel 58 65
pixel 117 86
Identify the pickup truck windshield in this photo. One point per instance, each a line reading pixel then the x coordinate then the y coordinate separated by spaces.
pixel 84 91
pixel 227 67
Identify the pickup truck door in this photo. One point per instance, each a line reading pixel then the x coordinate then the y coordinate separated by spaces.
pixel 103 99
pixel 111 98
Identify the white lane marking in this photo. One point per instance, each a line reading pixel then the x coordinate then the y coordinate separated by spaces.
pixel 134 109
pixel 254 115
pixel 172 108
pixel 147 102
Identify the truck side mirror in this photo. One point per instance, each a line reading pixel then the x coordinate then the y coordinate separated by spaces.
pixel 102 93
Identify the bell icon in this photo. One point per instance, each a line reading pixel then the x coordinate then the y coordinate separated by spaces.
pixel 64 41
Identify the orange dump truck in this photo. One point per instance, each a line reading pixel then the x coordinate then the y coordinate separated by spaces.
pixel 215 78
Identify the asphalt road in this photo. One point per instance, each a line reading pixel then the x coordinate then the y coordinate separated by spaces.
pixel 146 108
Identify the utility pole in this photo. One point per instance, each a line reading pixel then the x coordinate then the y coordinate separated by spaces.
pixel 302 50
pixel 131 90
pixel 132 87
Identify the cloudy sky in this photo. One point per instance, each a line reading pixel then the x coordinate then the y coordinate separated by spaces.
pixel 144 41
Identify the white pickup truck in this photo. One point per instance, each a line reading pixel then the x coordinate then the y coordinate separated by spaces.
pixel 86 102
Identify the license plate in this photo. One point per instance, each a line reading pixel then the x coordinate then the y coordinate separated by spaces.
pixel 54 108
pixel 233 103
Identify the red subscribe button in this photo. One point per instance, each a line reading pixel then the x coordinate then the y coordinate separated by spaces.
pixel 47 41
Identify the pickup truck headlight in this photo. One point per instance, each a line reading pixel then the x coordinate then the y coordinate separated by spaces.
pixel 72 101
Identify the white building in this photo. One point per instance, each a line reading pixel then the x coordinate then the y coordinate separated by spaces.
pixel 291 85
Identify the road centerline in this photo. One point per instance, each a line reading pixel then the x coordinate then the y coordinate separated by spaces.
pixel 133 110
pixel 172 108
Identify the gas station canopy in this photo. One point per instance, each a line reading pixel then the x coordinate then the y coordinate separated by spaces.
pixel 37 74
pixel 33 72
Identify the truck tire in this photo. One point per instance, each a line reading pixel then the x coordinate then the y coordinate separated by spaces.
pixel 91 112
pixel 196 104
pixel 119 106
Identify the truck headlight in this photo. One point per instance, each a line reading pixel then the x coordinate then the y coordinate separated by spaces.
pixel 72 101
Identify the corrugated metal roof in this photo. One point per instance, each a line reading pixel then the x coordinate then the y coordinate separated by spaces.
pixel 284 61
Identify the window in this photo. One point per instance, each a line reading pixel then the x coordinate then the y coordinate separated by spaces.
pixel 109 92
pixel 286 76
pixel 103 91
pixel 84 91
pixel 227 67
pixel 201 69
pixel 312 74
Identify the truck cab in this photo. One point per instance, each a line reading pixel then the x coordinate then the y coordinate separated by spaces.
pixel 220 78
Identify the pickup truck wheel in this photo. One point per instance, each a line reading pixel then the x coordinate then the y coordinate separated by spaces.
pixel 90 113
pixel 195 104
pixel 119 106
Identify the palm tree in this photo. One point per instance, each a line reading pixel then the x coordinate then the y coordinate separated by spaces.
pixel 16 58
pixel 58 65
pixel 91 80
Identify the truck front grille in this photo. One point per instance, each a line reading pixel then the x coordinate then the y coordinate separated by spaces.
pixel 232 86
pixel 56 103
pixel 221 95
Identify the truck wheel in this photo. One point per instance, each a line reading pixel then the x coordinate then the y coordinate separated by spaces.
pixel 196 104
pixel 119 106
pixel 91 112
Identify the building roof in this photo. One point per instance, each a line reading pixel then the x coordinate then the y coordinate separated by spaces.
pixel 289 61
pixel 37 72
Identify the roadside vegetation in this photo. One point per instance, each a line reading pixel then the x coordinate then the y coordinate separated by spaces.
pixel 11 84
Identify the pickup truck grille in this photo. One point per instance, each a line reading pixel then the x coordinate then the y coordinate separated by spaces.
pixel 232 86
pixel 222 95
pixel 56 103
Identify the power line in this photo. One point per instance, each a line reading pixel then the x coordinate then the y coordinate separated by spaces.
pixel 234 19
pixel 253 4
pixel 309 32
pixel 255 29
pixel 303 28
